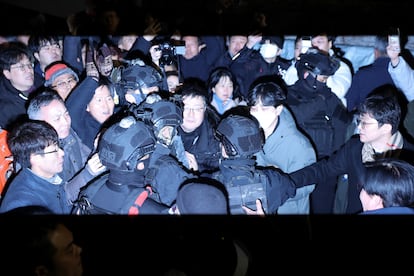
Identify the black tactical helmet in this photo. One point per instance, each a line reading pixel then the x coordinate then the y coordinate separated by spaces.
pixel 317 62
pixel 241 136
pixel 158 113
pixel 165 113
pixel 124 143
pixel 137 75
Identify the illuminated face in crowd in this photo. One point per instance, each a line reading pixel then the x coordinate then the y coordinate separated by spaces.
pixel 322 43
pixel 236 43
pixel 67 257
pixel 56 114
pixel 21 74
pixel 102 105
pixel 49 53
pixel 224 89
pixel 192 46
pixel 266 115
pixel 64 84
pixel 172 81
pixel 193 113
pixel 371 132
pixel 49 162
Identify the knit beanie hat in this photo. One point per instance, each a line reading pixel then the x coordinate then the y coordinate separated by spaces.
pixel 200 197
pixel 55 70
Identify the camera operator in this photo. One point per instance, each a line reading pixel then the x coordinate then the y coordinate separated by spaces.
pixel 163 56
pixel 163 53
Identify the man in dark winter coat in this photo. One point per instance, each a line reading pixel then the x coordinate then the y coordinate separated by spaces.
pixel 379 119
pixel 16 82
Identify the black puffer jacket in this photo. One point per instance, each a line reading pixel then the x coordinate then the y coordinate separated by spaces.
pixel 13 104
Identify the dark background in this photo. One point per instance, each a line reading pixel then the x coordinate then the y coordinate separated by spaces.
pixel 142 245
pixel 339 17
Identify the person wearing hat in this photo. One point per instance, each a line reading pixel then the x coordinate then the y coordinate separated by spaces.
pixel 340 81
pixel 137 80
pixel 240 139
pixel 61 78
pixel 201 196
pixel 124 149
pixel 272 63
pixel 319 113
pixel 168 164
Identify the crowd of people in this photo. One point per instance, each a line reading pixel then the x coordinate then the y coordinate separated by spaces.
pixel 122 124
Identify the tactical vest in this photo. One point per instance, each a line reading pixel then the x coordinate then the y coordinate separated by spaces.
pixel 244 190
pixel 98 199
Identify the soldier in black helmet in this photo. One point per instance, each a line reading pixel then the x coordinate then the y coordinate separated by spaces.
pixel 135 81
pixel 168 165
pixel 319 113
pixel 240 139
pixel 124 149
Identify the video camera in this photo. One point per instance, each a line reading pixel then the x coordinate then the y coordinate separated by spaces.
pixel 170 50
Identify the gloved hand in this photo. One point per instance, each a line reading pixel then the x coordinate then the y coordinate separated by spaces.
pixel 104 60
pixel 103 52
pixel 280 188
pixel 91 69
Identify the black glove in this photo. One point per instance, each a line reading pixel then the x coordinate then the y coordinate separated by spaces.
pixel 279 189
pixel 103 52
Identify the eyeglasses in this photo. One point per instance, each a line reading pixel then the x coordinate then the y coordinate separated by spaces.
pixel 63 84
pixel 365 124
pixel 23 67
pixel 194 109
pixel 57 148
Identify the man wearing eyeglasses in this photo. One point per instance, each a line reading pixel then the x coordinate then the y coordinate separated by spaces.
pixel 379 137
pixel 16 82
pixel 35 148
pixel 197 129
pixel 61 78
pixel 48 106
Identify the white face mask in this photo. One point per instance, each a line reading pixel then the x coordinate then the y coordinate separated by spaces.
pixel 268 50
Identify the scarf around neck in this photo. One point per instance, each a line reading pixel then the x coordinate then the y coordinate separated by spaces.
pixel 393 149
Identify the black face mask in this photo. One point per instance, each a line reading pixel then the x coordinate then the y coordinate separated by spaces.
pixel 311 84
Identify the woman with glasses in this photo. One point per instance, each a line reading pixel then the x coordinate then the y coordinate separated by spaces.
pixel 16 82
